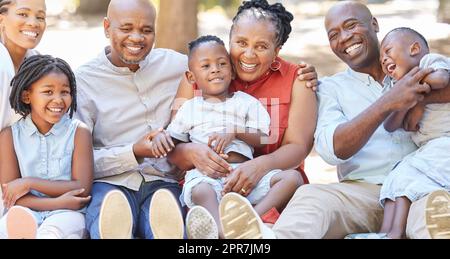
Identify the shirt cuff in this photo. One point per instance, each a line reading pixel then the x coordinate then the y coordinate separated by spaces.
pixel 325 146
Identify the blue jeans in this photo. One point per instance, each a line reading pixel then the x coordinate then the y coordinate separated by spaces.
pixel 139 203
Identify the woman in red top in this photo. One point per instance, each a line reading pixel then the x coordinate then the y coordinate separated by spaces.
pixel 259 31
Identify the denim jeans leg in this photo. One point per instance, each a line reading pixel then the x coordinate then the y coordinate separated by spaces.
pixel 99 191
pixel 148 190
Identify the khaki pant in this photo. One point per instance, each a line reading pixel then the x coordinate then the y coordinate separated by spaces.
pixel 336 210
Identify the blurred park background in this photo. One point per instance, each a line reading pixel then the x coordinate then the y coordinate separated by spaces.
pixel 75 33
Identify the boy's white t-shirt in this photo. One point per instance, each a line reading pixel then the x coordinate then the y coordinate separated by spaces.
pixel 197 119
pixel 436 119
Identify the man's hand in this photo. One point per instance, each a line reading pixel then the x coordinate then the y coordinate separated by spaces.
pixel 408 91
pixel 308 73
pixel 208 162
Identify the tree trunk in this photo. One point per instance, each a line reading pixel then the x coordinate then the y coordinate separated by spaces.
pixel 444 11
pixel 177 24
pixel 93 6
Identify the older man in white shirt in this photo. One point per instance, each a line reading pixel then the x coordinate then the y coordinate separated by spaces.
pixel 125 94
pixel 352 106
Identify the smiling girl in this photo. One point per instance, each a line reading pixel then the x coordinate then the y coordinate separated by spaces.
pixel 46 160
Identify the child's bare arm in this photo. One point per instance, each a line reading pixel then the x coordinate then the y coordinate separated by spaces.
pixel 70 200
pixel 395 121
pixel 162 144
pixel 438 79
pixel 252 137
pixel 38 203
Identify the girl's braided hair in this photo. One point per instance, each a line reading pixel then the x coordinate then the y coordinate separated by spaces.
pixel 33 69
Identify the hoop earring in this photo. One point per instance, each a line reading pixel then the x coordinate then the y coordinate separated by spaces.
pixel 275 66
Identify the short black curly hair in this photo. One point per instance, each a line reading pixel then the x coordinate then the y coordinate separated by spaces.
pixel 33 69
pixel 203 39
pixel 275 13
pixel 409 31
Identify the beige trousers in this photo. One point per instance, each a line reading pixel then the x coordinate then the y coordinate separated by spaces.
pixel 336 210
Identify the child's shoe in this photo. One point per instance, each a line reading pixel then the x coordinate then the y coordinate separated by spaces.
pixel 200 224
pixel 239 219
pixel 437 214
pixel 20 223
pixel 116 218
pixel 166 220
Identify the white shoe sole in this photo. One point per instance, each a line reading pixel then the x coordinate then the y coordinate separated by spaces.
pixel 166 220
pixel 116 218
pixel 437 215
pixel 238 218
pixel 20 224
pixel 200 224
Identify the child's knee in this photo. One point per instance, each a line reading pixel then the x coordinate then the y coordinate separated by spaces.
pixel 292 178
pixel 203 192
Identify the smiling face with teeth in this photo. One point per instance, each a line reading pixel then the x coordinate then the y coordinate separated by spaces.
pixel 400 52
pixel 352 33
pixel 23 25
pixel 253 47
pixel 210 68
pixel 49 98
pixel 130 26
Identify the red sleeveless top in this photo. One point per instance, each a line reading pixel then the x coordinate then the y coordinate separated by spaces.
pixel 274 91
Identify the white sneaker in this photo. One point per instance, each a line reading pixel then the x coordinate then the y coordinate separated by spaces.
pixel 200 224
pixel 166 220
pixel 240 221
pixel 437 214
pixel 116 218
pixel 20 223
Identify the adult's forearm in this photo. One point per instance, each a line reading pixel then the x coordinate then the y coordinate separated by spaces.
pixel 180 157
pixel 288 156
pixel 351 136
